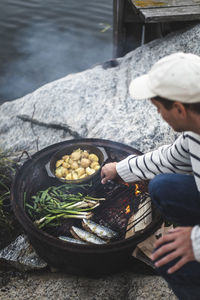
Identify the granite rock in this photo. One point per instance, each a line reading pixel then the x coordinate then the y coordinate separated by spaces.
pixel 46 285
pixel 21 255
pixel 95 103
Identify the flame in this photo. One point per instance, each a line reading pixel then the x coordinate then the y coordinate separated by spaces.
pixel 137 191
pixel 128 209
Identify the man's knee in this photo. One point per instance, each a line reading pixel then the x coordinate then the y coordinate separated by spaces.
pixel 171 194
pixel 157 186
pixel 161 193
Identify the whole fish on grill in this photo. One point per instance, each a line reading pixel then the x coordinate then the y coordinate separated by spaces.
pixel 86 236
pixel 101 231
pixel 71 240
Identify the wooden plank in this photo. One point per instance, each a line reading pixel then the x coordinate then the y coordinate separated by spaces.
pixel 132 14
pixel 155 15
pixel 163 3
pixel 119 32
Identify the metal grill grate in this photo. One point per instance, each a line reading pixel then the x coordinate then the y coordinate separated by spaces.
pixel 121 202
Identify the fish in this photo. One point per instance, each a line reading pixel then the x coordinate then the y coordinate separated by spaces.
pixel 71 240
pixel 103 232
pixel 86 236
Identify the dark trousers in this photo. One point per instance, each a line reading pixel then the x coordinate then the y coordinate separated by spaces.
pixel 178 200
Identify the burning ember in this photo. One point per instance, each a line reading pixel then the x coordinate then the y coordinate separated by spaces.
pixel 128 209
pixel 137 191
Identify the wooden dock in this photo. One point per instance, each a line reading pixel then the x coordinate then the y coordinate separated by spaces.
pixel 136 22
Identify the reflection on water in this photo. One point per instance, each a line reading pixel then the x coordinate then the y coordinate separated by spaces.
pixel 43 40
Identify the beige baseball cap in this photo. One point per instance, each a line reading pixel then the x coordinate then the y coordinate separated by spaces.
pixel 174 77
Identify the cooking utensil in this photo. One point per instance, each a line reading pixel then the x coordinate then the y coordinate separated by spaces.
pixel 67 150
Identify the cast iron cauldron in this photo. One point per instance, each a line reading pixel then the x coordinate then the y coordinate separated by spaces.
pixel 72 258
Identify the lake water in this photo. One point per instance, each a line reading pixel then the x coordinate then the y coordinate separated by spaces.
pixel 44 40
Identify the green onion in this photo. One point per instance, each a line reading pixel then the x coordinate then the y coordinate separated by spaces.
pixel 49 207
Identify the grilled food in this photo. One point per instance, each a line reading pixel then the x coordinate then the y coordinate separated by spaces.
pixel 79 164
pixel 99 230
pixel 71 240
pixel 86 236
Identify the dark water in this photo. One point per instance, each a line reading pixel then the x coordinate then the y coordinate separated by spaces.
pixel 44 40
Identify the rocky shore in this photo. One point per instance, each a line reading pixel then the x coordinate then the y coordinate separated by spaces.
pixel 45 285
pixel 92 104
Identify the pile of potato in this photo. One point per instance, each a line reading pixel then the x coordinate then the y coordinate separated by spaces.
pixel 77 165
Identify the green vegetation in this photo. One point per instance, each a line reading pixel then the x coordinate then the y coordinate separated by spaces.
pixel 7 219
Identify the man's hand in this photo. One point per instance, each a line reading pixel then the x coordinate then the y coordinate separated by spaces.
pixel 179 244
pixel 108 172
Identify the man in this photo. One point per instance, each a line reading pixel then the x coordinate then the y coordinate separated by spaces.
pixel 173 86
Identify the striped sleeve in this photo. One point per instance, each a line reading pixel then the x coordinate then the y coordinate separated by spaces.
pixel 195 237
pixel 173 158
pixel 194 148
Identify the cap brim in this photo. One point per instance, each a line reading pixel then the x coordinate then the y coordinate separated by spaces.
pixel 139 88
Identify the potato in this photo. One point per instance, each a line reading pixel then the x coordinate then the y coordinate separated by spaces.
pixel 70 171
pixel 74 165
pixel 94 164
pixel 66 165
pixel 85 162
pixel 65 158
pixel 84 154
pixel 79 164
pixel 69 176
pixel 74 175
pixel 83 176
pixel 65 172
pixel 97 167
pixel 59 163
pixel 58 172
pixel 89 171
pixel 70 161
pixel 80 171
pixel 93 157
pixel 76 155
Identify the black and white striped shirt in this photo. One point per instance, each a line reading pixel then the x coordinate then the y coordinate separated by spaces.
pixel 182 157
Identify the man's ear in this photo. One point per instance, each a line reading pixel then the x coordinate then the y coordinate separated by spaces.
pixel 180 109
